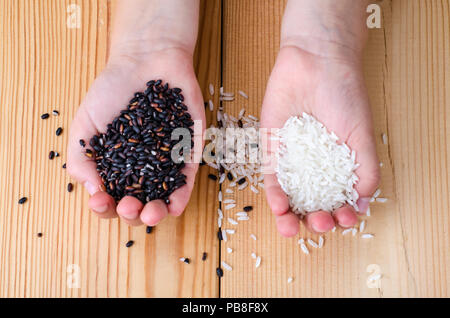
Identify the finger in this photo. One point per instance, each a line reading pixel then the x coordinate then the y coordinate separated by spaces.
pixel 277 199
pixel 287 224
pixel 345 216
pixel 79 166
pixel 103 205
pixel 129 210
pixel 180 197
pixel 154 212
pixel 319 222
pixel 369 169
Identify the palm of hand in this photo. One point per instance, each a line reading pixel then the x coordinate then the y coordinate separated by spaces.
pixel 334 93
pixel 108 95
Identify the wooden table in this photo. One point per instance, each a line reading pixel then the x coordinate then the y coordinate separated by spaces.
pixel 47 63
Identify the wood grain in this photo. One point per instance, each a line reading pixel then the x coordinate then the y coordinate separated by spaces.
pixel 406 69
pixel 44 66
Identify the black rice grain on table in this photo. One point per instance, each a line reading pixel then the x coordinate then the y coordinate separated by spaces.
pixel 69 187
pixel 134 155
pixel 219 272
pixel 59 131
pixel 45 116
pixel 149 229
pixel 23 200
pixel 129 244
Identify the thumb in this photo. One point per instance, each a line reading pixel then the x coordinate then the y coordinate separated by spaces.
pixel 369 169
pixel 79 166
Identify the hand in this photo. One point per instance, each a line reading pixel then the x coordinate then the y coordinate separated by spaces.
pixel 108 95
pixel 332 90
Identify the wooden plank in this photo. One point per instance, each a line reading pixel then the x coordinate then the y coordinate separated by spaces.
pixel 419 126
pixel 44 66
pixel 406 67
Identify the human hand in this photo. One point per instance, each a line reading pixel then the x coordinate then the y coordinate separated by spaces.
pixel 333 91
pixel 152 40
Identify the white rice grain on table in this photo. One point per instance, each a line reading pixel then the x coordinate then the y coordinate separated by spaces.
pixel 304 248
pixel 211 105
pixel 243 94
pixel 253 236
pixel 230 206
pixel 321 241
pixel 381 200
pixel 258 261
pixel 312 243
pixel 229 250
pixel 232 221
pixel 226 266
pixel 367 236
pixel 211 89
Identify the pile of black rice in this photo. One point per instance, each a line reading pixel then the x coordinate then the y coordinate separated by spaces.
pixel 134 155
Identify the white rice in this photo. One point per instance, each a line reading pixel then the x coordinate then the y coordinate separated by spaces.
pixel 224 236
pixel 314 170
pixel 368 211
pixel 229 201
pixel 384 137
pixel 182 259
pixel 253 255
pixel 211 89
pixel 354 232
pixel 242 213
pixel 333 230
pixel 220 197
pixel 252 187
pixel 312 243
pixel 377 193
pixel 222 178
pixel 243 94
pixel 230 206
pixel 211 105
pixel 229 250
pixel 381 200
pixel 301 241
pixel 232 221
pixel 226 266
pixel 289 280
pixel 243 218
pixel 345 232
pixel 230 231
pixel 243 186
pixel 228 190
pixel 304 248
pixel 367 236
pixel 258 261
pixel 321 241
pixel 253 236
pixel 362 226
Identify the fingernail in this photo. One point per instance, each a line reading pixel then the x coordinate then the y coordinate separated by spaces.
pixel 101 209
pixel 92 189
pixel 363 204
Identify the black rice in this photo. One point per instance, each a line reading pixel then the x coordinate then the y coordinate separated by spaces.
pixel 55 113
pixel 23 200
pixel 82 143
pixel 133 157
pixel 212 177
pixel 230 176
pixel 187 260
pixel 69 187
pixel 59 131
pixel 39 234
pixel 51 155
pixel 219 235
pixel 45 116
pixel 219 272
pixel 64 166
pixel 129 243
pixel 204 256
pixel 149 229
pixel 241 181
pixel 248 208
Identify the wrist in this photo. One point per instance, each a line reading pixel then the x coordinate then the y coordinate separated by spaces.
pixel 326 28
pixel 144 27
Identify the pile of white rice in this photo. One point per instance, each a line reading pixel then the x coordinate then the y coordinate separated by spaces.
pixel 314 170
